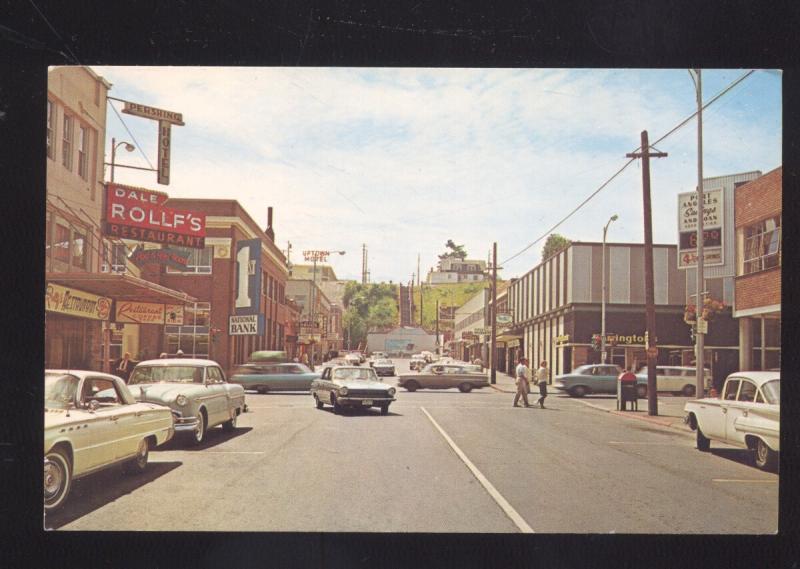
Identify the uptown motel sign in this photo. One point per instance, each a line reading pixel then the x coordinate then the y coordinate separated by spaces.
pixel 165 121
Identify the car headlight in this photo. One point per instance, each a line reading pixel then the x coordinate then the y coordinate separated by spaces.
pixel 181 400
pixel 343 391
pixel 392 391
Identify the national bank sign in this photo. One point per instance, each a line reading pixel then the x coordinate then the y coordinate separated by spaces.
pixel 247 318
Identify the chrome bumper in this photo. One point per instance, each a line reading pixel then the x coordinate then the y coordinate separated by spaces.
pixel 185 424
pixel 358 400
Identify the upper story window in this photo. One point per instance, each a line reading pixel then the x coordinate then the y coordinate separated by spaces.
pixel 51 130
pixel 61 243
pixel 66 147
pixel 114 257
pixel 79 245
pixel 762 245
pixel 83 152
pixel 199 261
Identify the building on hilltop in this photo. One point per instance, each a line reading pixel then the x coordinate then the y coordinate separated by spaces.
pixel 457 271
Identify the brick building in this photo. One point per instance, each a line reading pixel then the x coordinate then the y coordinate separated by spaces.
pixel 758 214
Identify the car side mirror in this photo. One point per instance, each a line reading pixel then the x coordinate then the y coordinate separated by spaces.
pixel 94 405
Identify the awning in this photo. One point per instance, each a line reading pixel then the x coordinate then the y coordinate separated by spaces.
pixel 507 337
pixel 120 286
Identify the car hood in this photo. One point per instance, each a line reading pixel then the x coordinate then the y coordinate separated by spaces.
pixel 162 392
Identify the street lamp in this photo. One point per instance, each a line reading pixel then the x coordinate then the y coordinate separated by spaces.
pixel 603 301
pixel 114 145
pixel 316 255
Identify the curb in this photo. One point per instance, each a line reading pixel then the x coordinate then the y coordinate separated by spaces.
pixel 496 388
pixel 676 424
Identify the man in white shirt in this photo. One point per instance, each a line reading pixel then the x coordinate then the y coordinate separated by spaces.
pixel 522 382
pixel 541 380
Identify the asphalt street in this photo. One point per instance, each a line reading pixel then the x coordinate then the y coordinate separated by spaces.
pixel 441 461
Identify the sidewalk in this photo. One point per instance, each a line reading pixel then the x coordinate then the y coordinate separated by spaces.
pixel 670 409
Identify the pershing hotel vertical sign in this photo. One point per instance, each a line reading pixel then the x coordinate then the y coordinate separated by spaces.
pixel 247 319
pixel 713 227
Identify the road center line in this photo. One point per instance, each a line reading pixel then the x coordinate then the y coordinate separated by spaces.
pixel 502 502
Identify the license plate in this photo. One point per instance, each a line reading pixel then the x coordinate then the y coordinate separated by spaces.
pixel 367 402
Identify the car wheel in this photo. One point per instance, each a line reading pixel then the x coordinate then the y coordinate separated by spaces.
pixel 641 391
pixel 319 403
pixel 336 407
pixel 465 387
pixel 688 390
pixel 139 463
pixel 200 430
pixel 411 385
pixel 57 479
pixel 384 409
pixel 230 425
pixel 578 391
pixel 765 457
pixel 703 442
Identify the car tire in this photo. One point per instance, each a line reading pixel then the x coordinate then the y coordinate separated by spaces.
pixel 138 464
pixel 411 385
pixel 703 442
pixel 384 409
pixel 465 387
pixel 641 391
pixel 577 391
pixel 764 457
pixel 688 390
pixel 336 407
pixel 57 479
pixel 200 431
pixel 318 402
pixel 230 425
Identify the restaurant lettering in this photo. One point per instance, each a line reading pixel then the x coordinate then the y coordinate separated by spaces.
pixel 65 300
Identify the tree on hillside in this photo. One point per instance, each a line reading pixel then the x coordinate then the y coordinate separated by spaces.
pixel 554 244
pixel 354 326
pixel 455 252
pixel 382 314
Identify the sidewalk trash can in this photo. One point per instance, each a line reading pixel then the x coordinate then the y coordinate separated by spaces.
pixel 626 392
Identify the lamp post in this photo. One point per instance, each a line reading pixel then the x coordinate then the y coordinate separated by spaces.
pixel 700 281
pixel 603 301
pixel 316 255
pixel 114 145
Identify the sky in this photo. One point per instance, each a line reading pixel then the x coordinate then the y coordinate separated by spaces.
pixel 404 159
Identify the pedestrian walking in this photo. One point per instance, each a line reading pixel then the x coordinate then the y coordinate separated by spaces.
pixel 522 383
pixel 542 374
pixel 123 366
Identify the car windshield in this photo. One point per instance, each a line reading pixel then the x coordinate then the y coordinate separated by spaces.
pixel 772 391
pixel 361 373
pixel 59 390
pixel 383 362
pixel 167 374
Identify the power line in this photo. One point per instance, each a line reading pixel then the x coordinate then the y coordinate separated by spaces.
pixel 49 25
pixel 628 163
pixel 136 142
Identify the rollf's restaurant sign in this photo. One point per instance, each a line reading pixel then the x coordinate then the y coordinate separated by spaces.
pixel 139 214
pixel 74 302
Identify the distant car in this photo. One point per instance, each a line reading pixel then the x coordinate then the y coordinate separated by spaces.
pixel 675 379
pixel 195 390
pixel 427 355
pixel 353 387
pixel 274 377
pixel 93 422
pixel 747 415
pixel 353 359
pixel 383 367
pixel 593 379
pixel 379 355
pixel 417 362
pixel 465 377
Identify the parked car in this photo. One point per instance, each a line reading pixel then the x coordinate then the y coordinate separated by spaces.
pixel 353 359
pixel 675 379
pixel 747 415
pixel 383 367
pixel 196 390
pixel 417 362
pixel 379 355
pixel 465 377
pixel 274 377
pixel 593 379
pixel 93 422
pixel 353 387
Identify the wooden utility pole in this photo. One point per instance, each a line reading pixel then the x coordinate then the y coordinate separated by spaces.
pixel 493 315
pixel 437 327
pixel 649 287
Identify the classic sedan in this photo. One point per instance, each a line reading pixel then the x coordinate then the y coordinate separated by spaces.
pixel 594 378
pixel 195 390
pixel 444 376
pixel 92 422
pixel 383 367
pixel 274 377
pixel 747 415
pixel 353 387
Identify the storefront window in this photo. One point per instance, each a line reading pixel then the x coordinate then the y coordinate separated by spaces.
pixel 193 337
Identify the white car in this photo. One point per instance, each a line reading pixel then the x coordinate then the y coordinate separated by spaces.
pixel 747 415
pixel 92 422
pixel 675 379
pixel 353 387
